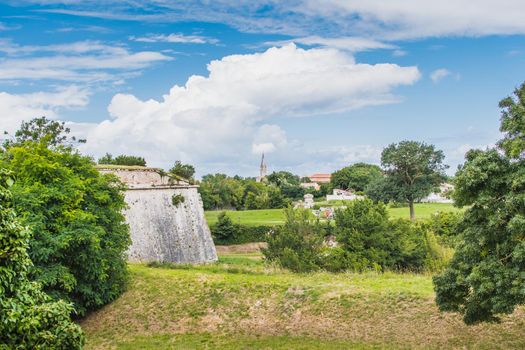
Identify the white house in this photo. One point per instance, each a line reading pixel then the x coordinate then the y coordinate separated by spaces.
pixel 441 196
pixel 342 195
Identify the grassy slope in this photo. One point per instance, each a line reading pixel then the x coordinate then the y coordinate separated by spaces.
pixel 276 217
pixel 240 304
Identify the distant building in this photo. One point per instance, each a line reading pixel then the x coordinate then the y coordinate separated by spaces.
pixel 441 196
pixel 320 178
pixel 342 195
pixel 263 170
pixel 309 201
pixel 313 185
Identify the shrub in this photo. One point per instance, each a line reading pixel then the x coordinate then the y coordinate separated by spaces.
pixel 297 244
pixel 445 226
pixel 29 319
pixel 224 230
pixel 80 236
pixel 177 199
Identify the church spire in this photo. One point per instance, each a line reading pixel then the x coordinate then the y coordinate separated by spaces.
pixel 262 170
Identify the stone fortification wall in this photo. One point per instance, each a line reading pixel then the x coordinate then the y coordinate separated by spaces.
pixel 161 230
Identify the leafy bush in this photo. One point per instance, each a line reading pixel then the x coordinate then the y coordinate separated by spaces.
pixel 29 319
pixel 177 199
pixel 226 232
pixel 365 239
pixel 445 226
pixel 122 160
pixel 80 236
pixel 297 244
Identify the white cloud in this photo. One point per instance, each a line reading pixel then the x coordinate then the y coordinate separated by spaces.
pixel 23 107
pixel 399 53
pixel 86 61
pixel 268 138
pixel 410 19
pixel 343 43
pixel 222 117
pixel 175 38
pixel 376 19
pixel 439 74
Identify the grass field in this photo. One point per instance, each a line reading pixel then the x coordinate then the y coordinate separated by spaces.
pixel 239 303
pixel 276 216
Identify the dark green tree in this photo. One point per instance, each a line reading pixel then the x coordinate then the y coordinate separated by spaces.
pixel 224 229
pixel 125 160
pixel 79 233
pixel 413 170
pixel 288 183
pixel 357 176
pixel 184 171
pixel 29 319
pixel 53 132
pixel 486 276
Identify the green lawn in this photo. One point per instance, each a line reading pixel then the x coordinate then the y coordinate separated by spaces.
pixel 240 303
pixel 276 216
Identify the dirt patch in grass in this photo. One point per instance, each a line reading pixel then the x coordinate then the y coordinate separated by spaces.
pixel 241 248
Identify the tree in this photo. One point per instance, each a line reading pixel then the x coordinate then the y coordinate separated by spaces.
pixel 486 275
pixel 413 170
pixel 184 171
pixel 79 232
pixel 53 133
pixel 288 183
pixel 29 319
pixel 357 176
pixel 125 160
pixel 224 229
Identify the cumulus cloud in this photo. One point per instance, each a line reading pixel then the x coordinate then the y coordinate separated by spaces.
pixel 15 108
pixel 175 38
pixel 222 116
pixel 268 138
pixel 439 74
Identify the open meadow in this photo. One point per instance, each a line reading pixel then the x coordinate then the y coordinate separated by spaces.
pixel 276 216
pixel 241 303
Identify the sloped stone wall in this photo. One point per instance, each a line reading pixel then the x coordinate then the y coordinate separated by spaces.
pixel 160 230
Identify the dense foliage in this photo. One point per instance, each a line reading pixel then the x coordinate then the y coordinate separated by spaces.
pixel 53 132
pixel 288 183
pixel 486 276
pixel 413 170
pixel 297 245
pixel 225 231
pixel 79 234
pixel 220 191
pixel 356 177
pixel 365 239
pixel 182 171
pixel 108 159
pixel 29 319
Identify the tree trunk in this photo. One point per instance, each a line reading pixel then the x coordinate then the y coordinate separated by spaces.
pixel 412 214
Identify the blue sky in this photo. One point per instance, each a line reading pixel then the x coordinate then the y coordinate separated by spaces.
pixel 317 85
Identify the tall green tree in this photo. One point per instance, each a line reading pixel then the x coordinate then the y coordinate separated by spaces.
pixel 357 176
pixel 79 232
pixel 288 183
pixel 29 319
pixel 126 160
pixel 184 171
pixel 486 276
pixel 413 170
pixel 54 132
